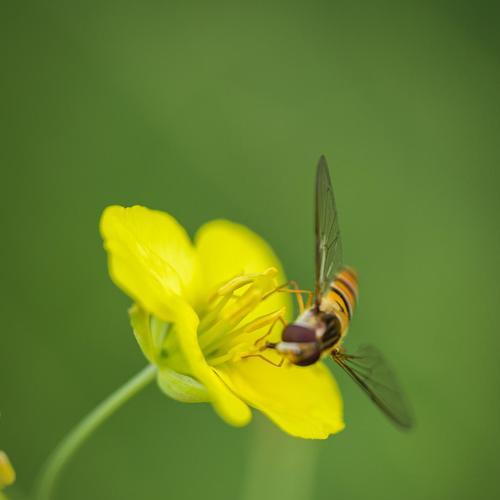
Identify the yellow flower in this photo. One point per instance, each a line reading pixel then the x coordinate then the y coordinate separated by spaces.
pixel 199 310
pixel 7 472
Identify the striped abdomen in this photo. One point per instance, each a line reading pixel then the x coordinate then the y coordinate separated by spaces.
pixel 343 295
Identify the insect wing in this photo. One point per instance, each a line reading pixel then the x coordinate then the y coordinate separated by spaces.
pixel 328 241
pixel 372 373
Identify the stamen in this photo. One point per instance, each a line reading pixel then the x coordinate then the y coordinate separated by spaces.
pixel 242 335
pixel 228 320
pixel 212 316
pixel 234 284
pixel 258 323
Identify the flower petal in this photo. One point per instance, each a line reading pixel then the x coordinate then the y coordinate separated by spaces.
pixel 303 401
pixel 232 409
pixel 227 249
pixel 150 257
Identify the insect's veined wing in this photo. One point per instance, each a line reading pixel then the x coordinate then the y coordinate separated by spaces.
pixel 328 241
pixel 371 372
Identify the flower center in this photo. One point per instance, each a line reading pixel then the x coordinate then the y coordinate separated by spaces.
pixel 233 325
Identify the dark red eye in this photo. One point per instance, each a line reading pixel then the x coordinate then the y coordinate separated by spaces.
pixel 298 333
pixel 309 357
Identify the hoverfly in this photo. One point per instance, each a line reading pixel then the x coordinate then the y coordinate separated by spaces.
pixel 321 328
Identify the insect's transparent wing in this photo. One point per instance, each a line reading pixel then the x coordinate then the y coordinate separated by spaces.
pixel 372 373
pixel 328 241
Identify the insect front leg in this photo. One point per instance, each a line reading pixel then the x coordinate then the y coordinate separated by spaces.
pixel 298 293
pixel 280 319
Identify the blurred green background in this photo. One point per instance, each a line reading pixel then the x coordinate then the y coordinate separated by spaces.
pixel 212 110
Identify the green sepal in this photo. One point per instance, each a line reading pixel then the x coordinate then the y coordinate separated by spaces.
pixel 152 337
pixel 182 387
pixel 139 319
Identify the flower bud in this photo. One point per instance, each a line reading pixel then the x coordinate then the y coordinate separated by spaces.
pixel 7 472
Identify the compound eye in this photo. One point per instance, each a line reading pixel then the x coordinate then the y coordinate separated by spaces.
pixel 298 333
pixel 309 356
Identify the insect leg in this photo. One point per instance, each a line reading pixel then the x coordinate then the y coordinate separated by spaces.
pixel 296 289
pixel 310 297
pixel 277 365
pixel 279 318
pixel 298 293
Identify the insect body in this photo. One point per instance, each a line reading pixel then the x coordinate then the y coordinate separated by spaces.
pixel 320 330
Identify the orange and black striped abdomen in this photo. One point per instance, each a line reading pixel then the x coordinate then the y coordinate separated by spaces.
pixel 344 291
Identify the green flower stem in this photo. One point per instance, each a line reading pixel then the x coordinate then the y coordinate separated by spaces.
pixel 72 442
pixel 279 466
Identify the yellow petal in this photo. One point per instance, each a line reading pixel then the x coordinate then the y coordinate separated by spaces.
pixel 231 408
pixel 150 258
pixel 304 401
pixel 226 249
